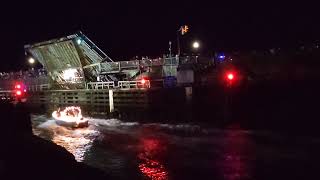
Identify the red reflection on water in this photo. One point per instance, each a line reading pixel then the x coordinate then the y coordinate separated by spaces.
pixel 149 157
pixel 237 154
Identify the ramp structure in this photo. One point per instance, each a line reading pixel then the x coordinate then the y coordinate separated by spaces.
pixel 70 61
pixel 75 62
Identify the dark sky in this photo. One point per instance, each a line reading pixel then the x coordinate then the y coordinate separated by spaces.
pixel 124 29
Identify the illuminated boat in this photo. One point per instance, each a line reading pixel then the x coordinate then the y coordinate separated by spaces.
pixel 70 117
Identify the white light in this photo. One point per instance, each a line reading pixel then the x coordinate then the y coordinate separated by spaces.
pixel 69 74
pixel 31 60
pixel 79 41
pixel 64 116
pixel 196 45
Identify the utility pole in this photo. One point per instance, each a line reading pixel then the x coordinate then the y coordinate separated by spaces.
pixel 170 54
pixel 178 42
pixel 183 30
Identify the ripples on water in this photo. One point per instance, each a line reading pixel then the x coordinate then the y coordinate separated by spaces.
pixel 76 141
pixel 167 151
pixel 149 143
pixel 149 165
pixel 79 141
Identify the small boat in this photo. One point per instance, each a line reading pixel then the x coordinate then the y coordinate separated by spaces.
pixel 70 117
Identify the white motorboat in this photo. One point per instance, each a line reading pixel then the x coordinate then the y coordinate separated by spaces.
pixel 70 117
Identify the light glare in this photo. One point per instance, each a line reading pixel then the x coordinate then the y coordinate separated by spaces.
pixel 230 76
pixel 69 74
pixel 196 45
pixel 31 60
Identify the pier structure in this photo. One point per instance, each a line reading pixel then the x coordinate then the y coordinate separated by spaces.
pixel 79 73
pixel 75 62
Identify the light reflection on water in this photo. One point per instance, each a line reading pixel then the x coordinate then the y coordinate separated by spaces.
pixel 149 165
pixel 77 145
pixel 153 144
pixel 237 155
pixel 76 141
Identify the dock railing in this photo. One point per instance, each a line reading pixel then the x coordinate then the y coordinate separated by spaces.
pixel 119 85
pixel 6 94
pixel 39 87
pixel 133 84
pixel 100 85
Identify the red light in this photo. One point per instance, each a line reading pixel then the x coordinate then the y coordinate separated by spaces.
pixel 18 86
pixel 230 76
pixel 19 93
pixel 143 81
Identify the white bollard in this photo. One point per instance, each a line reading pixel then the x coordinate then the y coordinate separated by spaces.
pixel 111 105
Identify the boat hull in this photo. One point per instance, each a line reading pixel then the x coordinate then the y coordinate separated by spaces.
pixel 73 124
pixel 81 124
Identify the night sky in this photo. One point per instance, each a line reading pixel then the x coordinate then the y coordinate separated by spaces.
pixel 126 29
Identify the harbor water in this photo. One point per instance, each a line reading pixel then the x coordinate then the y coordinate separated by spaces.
pixel 159 151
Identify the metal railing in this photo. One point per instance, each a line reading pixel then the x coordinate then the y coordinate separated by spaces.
pixel 119 85
pixel 134 84
pixel 100 85
pixel 41 87
pixel 135 64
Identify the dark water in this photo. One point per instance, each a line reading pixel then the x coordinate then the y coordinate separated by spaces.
pixel 185 151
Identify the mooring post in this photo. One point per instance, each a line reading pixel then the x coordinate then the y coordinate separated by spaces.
pixel 188 94
pixel 111 105
pixel 188 114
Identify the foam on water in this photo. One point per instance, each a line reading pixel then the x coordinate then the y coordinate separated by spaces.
pixel 176 151
pixel 79 141
pixel 47 124
pixel 111 122
pixel 76 141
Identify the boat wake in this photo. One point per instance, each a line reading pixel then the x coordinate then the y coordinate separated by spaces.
pixel 76 141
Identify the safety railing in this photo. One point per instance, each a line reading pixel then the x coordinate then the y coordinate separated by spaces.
pixel 100 85
pixel 136 64
pixel 134 84
pixel 6 94
pixel 41 87
pixel 129 64
pixel 171 61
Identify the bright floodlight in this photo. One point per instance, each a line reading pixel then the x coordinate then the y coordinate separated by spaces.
pixel 79 41
pixel 196 45
pixel 69 74
pixel 31 60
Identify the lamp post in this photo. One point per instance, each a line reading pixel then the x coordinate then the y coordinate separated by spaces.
pixel 196 46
